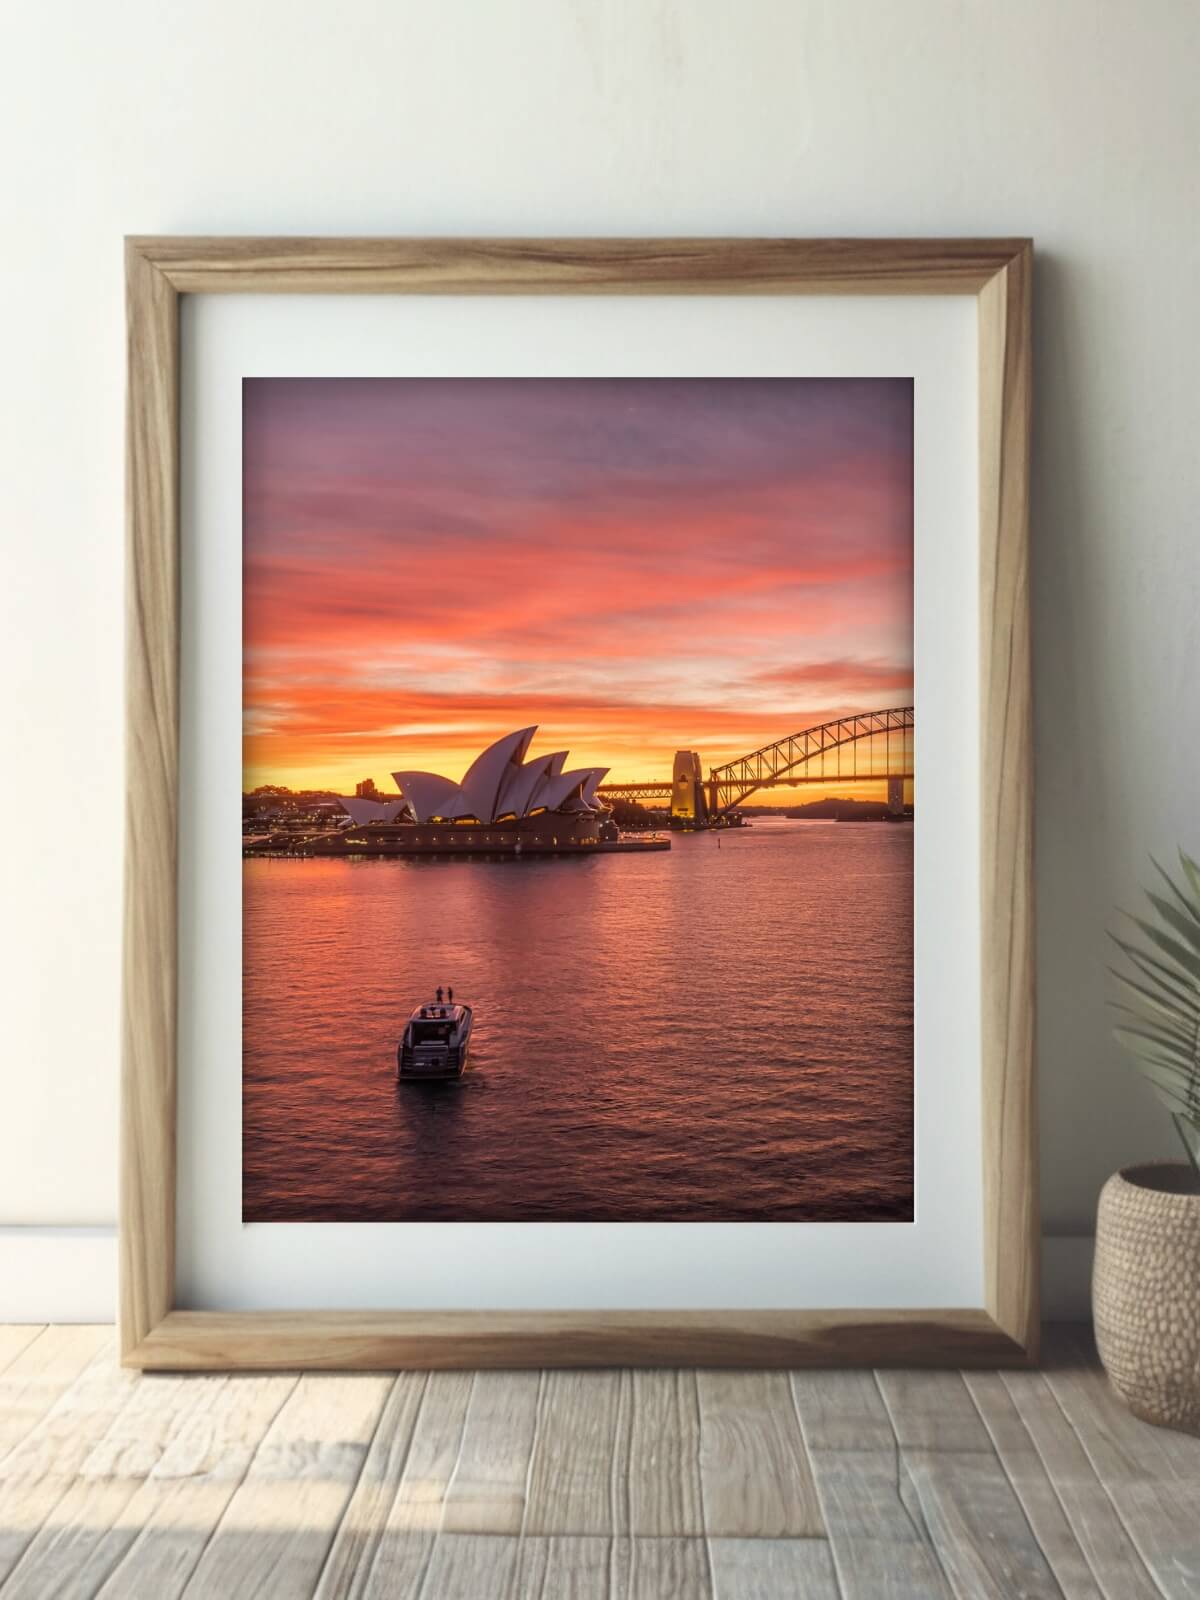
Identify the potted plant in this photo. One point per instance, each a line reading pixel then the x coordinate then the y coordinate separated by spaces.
pixel 1146 1281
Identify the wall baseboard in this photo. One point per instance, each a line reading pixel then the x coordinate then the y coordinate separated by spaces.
pixel 1067 1277
pixel 70 1275
pixel 50 1274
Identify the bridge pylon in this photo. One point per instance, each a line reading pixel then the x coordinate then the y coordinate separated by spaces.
pixel 689 803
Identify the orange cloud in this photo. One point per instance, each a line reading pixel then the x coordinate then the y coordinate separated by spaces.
pixel 638 567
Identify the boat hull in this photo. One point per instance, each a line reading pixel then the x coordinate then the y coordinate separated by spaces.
pixel 423 1065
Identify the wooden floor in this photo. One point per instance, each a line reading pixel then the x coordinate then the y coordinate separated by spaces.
pixel 655 1484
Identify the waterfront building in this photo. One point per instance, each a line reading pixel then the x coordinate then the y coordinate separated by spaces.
pixel 505 803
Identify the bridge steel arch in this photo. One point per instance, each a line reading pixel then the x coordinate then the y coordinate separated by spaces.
pixel 730 785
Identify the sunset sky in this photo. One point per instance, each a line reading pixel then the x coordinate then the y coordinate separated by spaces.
pixel 637 565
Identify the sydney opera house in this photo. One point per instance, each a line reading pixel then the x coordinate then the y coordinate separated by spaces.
pixel 503 802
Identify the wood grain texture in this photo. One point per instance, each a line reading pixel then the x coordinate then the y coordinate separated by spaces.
pixel 213 1341
pixel 933 1411
pixel 1151 1475
pixel 577 266
pixel 276 1532
pixel 386 1540
pixel 580 1455
pixel 173 1514
pixel 433 1454
pixel 149 974
pixel 89 1527
pixel 38 1471
pixel 465 1566
pixel 1121 1448
pixel 879 1546
pixel 41 1372
pixel 352 1555
pixel 952 1480
pixel 1034 1488
pixel 665 1495
pixel 16 1337
pixel 575 1566
pixel 1060 1464
pixel 772 1569
pixel 842 1411
pixel 1010 1151
pixel 983 1542
pixel 1004 1329
pixel 754 1467
pixel 129 1487
pixel 487 1492
pixel 663 1569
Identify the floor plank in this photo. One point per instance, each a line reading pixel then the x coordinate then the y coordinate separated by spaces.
pixel 933 1411
pixel 404 1546
pixel 842 1411
pixel 39 1470
pixel 356 1544
pixel 983 1541
pixel 1084 1499
pixel 40 1372
pixel 662 1569
pixel 772 1569
pixel 1034 1488
pixel 880 1549
pixel 952 1478
pixel 578 1467
pixel 275 1534
pixel 420 1497
pixel 88 1529
pixel 1121 1447
pixel 567 1567
pixel 1163 1521
pixel 664 1491
pixel 1151 1475
pixel 754 1468
pixel 469 1566
pixel 174 1512
pixel 487 1491
pixel 584 1486
pixel 15 1337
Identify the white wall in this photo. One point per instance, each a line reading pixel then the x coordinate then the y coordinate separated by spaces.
pixel 1078 123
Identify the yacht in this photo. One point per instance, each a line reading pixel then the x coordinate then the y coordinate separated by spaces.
pixel 435 1043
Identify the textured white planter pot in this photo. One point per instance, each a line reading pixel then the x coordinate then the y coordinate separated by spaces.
pixel 1146 1291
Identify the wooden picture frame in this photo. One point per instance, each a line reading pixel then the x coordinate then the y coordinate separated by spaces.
pixel 154 1335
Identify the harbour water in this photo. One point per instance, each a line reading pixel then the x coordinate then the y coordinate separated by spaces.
pixel 722 1031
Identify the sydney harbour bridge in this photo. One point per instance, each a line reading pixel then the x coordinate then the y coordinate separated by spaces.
pixel 870 747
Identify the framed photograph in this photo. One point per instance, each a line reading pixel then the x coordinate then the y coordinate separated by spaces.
pixel 578 901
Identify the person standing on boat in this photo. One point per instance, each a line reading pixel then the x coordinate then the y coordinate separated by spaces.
pixel 439 994
pixel 450 996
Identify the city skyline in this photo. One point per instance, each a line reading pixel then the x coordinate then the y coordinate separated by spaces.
pixel 636 565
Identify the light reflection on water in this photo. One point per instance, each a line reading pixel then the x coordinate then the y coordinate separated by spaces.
pixel 700 1034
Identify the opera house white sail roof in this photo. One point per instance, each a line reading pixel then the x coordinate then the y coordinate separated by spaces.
pixel 499 783
pixel 373 810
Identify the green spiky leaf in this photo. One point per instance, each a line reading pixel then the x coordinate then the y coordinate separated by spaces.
pixel 1157 1042
pixel 1167 978
pixel 1190 903
pixel 1191 871
pixel 1188 961
pixel 1183 923
pixel 1154 1003
pixel 1160 1022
